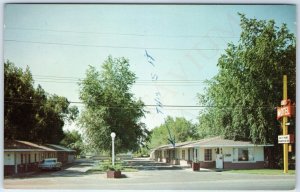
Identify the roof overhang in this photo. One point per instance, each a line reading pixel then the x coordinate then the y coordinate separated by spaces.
pixel 26 150
pixel 268 145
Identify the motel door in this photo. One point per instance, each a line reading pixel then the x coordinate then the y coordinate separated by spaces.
pixel 219 161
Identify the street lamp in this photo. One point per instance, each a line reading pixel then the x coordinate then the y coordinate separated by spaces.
pixel 113 135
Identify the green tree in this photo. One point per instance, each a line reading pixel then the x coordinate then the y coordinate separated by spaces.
pixel 18 109
pixel 179 129
pixel 30 113
pixel 74 141
pixel 111 107
pixel 248 86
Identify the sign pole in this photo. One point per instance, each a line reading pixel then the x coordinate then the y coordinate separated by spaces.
pixel 285 129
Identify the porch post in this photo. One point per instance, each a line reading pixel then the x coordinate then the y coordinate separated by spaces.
pixel 15 162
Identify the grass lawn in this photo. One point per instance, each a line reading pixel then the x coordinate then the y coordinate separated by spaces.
pixel 263 171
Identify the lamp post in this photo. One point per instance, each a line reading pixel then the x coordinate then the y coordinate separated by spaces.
pixel 113 135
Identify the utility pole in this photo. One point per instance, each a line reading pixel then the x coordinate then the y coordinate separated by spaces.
pixel 285 130
pixel 285 111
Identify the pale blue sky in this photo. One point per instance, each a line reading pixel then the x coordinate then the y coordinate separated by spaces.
pixel 185 41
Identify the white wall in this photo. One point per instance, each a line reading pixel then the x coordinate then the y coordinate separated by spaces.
pixel 18 158
pixel 213 154
pixel 227 151
pixel 201 154
pixel 185 155
pixel 178 153
pixel 259 154
pixel 32 156
pixel 9 158
pixel 257 151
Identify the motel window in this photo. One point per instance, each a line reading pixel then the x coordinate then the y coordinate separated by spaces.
pixel 21 158
pixel 183 154
pixel 35 157
pixel 207 154
pixel 243 154
pixel 29 158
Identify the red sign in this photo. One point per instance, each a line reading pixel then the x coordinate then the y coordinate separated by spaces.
pixel 285 111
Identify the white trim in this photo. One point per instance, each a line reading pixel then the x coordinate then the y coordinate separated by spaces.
pixel 268 145
pixel 27 150
pixel 242 161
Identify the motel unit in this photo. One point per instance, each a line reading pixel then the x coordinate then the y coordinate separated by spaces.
pixel 214 153
pixel 23 156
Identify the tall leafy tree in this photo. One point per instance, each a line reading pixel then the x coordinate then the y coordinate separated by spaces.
pixel 248 86
pixel 30 113
pixel 178 128
pixel 18 108
pixel 74 141
pixel 111 107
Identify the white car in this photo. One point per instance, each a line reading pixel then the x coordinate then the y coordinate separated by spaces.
pixel 50 164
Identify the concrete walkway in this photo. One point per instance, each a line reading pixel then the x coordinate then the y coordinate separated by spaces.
pixel 147 164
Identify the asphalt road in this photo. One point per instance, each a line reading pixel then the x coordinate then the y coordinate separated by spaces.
pixel 75 177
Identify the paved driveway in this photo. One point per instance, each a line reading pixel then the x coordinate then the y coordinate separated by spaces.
pixel 184 179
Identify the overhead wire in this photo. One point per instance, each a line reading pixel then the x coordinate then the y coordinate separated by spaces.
pixel 56 79
pixel 114 47
pixel 121 34
pixel 179 107
pixel 164 82
pixel 117 34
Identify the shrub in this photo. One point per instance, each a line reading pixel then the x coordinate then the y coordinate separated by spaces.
pixel 107 166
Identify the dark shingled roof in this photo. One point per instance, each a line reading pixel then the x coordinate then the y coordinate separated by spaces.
pixel 59 148
pixel 16 145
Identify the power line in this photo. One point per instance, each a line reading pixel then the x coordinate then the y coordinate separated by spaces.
pixel 135 84
pixel 55 77
pixel 179 107
pixel 114 47
pixel 78 78
pixel 46 78
pixel 138 83
pixel 120 34
pixel 59 79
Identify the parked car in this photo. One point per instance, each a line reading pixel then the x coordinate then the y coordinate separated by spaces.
pixel 50 164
